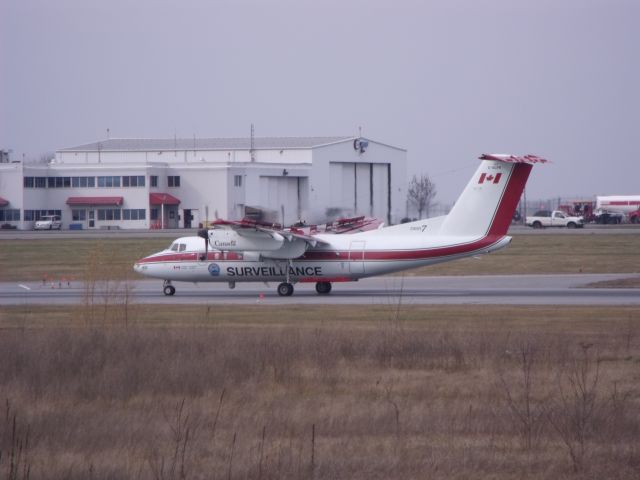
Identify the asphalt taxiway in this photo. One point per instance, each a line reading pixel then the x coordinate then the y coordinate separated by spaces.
pixel 572 289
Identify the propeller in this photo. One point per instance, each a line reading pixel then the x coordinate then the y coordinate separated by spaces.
pixel 204 233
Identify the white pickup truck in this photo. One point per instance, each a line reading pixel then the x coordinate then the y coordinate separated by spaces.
pixel 547 218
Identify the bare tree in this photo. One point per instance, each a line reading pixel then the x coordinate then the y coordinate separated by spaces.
pixel 421 193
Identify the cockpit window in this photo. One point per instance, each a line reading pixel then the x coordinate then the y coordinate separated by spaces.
pixel 174 247
pixel 183 247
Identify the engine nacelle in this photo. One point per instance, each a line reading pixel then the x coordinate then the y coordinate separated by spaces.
pixel 251 240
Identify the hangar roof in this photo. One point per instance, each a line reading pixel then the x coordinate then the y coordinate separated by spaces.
pixel 169 144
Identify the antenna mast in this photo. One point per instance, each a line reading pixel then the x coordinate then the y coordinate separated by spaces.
pixel 252 152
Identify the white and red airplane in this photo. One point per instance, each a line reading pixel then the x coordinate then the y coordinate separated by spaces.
pixel 250 252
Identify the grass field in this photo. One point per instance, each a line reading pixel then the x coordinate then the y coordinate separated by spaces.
pixel 35 259
pixel 320 392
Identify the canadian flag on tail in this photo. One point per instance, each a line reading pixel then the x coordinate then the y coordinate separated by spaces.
pixel 490 178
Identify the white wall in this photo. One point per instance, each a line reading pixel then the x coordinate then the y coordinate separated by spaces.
pixel 11 188
pixel 202 188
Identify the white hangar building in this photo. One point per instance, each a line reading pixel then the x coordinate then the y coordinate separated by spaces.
pixel 178 183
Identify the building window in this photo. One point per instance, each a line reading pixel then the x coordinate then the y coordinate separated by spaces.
pixel 133 181
pixel 10 215
pixel 109 182
pixel 153 214
pixel 83 182
pixel 109 214
pixel 78 215
pixel 28 182
pixel 173 180
pixel 52 182
pixel 237 180
pixel 154 180
pixel 133 214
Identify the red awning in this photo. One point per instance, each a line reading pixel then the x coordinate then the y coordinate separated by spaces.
pixel 3 202
pixel 94 201
pixel 163 199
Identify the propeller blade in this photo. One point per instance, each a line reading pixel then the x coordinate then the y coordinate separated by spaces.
pixel 204 233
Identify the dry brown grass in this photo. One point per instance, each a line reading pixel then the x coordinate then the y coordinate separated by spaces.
pixel 227 392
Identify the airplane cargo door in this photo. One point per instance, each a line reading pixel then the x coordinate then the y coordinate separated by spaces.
pixel 356 256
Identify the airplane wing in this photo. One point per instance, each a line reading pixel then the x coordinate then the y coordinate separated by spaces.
pixel 262 237
pixel 247 227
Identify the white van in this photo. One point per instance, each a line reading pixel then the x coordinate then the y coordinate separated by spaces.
pixel 48 222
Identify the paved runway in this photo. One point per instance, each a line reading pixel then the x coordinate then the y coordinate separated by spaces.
pixel 449 290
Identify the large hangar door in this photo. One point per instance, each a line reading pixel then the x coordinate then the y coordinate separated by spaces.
pixel 362 189
pixel 380 193
pixel 278 195
pixel 341 184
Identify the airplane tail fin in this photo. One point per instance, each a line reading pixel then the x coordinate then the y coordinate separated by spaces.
pixel 487 203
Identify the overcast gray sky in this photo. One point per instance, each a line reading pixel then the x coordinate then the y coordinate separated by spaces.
pixel 445 79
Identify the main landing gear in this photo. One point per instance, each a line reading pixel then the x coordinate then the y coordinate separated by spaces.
pixel 285 289
pixel 323 288
pixel 168 289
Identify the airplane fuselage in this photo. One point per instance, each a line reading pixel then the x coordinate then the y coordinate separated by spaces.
pixel 340 259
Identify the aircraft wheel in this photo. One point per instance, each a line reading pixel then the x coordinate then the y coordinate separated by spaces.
pixel 169 290
pixel 323 287
pixel 285 289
